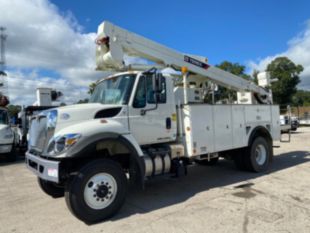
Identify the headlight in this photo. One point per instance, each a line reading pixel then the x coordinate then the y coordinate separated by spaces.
pixel 62 143
pixel 51 119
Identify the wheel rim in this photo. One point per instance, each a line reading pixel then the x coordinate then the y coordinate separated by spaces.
pixel 260 154
pixel 100 191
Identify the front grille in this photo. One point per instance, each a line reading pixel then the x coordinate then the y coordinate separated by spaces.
pixel 39 135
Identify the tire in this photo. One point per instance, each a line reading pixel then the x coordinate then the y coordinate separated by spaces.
pixel 206 162
pixel 258 155
pixel 11 156
pixel 97 192
pixel 51 189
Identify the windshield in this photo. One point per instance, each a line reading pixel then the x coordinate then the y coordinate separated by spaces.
pixel 3 117
pixel 115 90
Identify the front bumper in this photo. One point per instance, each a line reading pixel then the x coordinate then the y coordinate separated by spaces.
pixel 43 168
pixel 5 148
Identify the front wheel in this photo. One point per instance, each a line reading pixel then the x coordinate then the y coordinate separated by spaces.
pixel 97 192
pixel 12 156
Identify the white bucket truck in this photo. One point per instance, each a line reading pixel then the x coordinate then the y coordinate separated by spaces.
pixel 141 123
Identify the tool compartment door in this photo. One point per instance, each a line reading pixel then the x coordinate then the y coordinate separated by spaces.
pixel 238 119
pixel 199 129
pixel 222 127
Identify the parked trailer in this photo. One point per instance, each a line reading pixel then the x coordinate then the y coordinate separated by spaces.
pixel 146 123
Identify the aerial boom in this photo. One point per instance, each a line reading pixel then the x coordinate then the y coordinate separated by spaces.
pixel 114 43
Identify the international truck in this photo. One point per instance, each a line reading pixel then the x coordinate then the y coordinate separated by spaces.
pixel 142 122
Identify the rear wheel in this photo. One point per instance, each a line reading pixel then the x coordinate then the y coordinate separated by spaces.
pixel 258 155
pixel 97 192
pixel 51 189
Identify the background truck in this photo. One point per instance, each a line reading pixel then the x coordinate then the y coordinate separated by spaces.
pixel 142 122
pixel 8 137
pixel 46 98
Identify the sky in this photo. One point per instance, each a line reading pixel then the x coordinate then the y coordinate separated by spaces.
pixel 51 43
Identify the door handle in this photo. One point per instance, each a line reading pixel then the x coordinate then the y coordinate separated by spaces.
pixel 168 123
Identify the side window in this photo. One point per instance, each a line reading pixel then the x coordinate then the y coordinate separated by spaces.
pixel 150 92
pixel 140 97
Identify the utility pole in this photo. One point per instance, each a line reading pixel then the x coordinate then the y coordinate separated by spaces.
pixel 3 37
pixel 3 76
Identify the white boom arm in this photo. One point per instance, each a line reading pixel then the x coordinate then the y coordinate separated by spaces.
pixel 114 42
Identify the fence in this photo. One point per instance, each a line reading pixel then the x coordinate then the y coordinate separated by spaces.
pixel 302 113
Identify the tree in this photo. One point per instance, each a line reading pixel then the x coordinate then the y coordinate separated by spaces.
pixel 287 73
pixel 236 69
pixel 91 88
pixel 301 98
pixel 255 76
pixel 84 101
pixel 13 109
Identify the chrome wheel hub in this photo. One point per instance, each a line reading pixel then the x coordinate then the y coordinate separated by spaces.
pixel 100 191
pixel 260 154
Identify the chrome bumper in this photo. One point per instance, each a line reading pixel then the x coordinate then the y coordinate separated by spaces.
pixel 43 168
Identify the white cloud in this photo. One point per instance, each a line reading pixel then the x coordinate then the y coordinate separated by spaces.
pixel 41 37
pixel 23 85
pixel 298 51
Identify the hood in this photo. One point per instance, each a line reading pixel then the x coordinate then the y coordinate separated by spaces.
pixel 86 106
pixel 81 112
pixel 6 134
pixel 3 126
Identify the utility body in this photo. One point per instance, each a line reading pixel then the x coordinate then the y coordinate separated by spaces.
pixel 143 122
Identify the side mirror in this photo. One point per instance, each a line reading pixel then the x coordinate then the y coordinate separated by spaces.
pixel 157 80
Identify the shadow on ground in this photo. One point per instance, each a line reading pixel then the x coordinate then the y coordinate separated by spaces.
pixel 20 159
pixel 160 193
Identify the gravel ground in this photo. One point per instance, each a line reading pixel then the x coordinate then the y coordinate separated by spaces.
pixel 208 199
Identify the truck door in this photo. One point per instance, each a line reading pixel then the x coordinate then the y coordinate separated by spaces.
pixel 150 124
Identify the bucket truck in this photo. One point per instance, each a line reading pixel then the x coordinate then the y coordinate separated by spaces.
pixel 142 122
pixel 8 137
pixel 46 98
